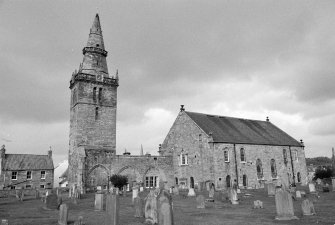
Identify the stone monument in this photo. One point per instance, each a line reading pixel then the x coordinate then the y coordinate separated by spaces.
pixel 307 208
pixel 284 205
pixel 150 209
pixel 200 202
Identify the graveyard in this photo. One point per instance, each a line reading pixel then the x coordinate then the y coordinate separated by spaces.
pixel 32 211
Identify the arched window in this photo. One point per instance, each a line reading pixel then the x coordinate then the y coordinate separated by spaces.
pixel 242 153
pixel 96 113
pixel 245 180
pixel 176 180
pixel 191 182
pixel 100 95
pixel 183 158
pixel 273 168
pixel 299 177
pixel 285 155
pixel 228 181
pixel 259 169
pixel 226 155
pixel 94 94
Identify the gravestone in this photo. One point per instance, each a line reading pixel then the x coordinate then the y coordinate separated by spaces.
pixel 150 209
pixel 63 214
pixel 284 205
pixel 138 205
pixel 333 183
pixel 271 189
pixel 200 202
pixel 298 194
pixel 59 201
pixel 311 187
pixel 303 193
pixel 51 201
pixel 80 221
pixel 141 189
pixel 258 204
pixel 175 191
pixel 37 194
pixel 211 193
pixel 233 196
pixel 307 208
pixel 165 212
pixel 191 192
pixel 135 194
pixel 112 210
pixel 99 202
pixel 4 222
pixel 171 190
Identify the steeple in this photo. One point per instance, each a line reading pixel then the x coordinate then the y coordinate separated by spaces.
pixel 94 61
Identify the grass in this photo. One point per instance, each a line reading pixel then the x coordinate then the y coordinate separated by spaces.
pixel 30 211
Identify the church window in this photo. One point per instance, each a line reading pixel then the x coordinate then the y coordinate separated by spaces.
pixel 28 186
pixel 242 153
pixel 96 113
pixel 42 186
pixel 183 159
pixel 299 177
pixel 151 181
pixel 14 175
pixel 94 94
pixel 200 137
pixel 285 155
pixel 28 175
pixel 176 180
pixel 295 156
pixel 273 168
pixel 100 94
pixel 42 174
pixel 226 155
pixel 259 169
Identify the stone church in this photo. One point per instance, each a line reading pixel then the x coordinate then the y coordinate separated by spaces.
pixel 199 149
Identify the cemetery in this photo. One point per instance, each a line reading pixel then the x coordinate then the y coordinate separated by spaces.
pixel 167 206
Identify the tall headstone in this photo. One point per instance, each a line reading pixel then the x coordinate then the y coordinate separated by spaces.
pixel 258 204
pixel 200 202
pixel 150 209
pixel 135 194
pixel 284 205
pixel 311 187
pixel 298 194
pixel 112 210
pixel 99 202
pixel 211 193
pixel 165 212
pixel 175 191
pixel 63 214
pixel 138 206
pixel 52 201
pixel 233 196
pixel 191 192
pixel 307 208
pixel 141 189
pixel 333 182
pixel 271 189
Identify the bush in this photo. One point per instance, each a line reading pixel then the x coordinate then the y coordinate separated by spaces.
pixel 119 181
pixel 323 172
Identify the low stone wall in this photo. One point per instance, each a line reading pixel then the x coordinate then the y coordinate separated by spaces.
pixel 27 192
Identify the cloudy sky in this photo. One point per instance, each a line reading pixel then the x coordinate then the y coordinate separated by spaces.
pixel 248 59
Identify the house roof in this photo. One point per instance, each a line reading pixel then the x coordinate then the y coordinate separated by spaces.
pixel 27 162
pixel 242 131
pixel 64 174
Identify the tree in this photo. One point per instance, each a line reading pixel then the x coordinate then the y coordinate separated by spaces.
pixel 323 172
pixel 119 180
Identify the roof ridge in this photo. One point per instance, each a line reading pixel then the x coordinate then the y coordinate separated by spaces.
pixel 228 117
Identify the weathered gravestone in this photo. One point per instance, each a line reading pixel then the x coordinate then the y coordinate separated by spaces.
pixel 37 194
pixel 307 208
pixel 51 201
pixel 233 196
pixel 303 193
pixel 311 187
pixel 258 204
pixel 191 192
pixel 211 193
pixel 175 191
pixel 4 222
pixel 59 200
pixel 63 214
pixel 112 210
pixel 200 202
pixel 165 212
pixel 333 183
pixel 138 206
pixel 271 189
pixel 284 205
pixel 150 209
pixel 99 202
pixel 80 221
pixel 141 189
pixel 135 194
pixel 298 194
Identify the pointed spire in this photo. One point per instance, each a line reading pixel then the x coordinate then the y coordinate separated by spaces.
pixel 117 75
pixel 95 38
pixel 141 150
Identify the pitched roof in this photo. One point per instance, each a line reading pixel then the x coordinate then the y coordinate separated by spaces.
pixel 27 162
pixel 64 174
pixel 242 131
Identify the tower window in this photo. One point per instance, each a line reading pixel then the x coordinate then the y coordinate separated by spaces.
pixel 96 113
pixel 259 169
pixel 273 168
pixel 14 175
pixel 285 155
pixel 100 94
pixel 42 174
pixel 226 155
pixel 242 153
pixel 94 93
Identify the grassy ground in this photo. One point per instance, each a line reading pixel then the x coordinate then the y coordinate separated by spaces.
pixel 30 211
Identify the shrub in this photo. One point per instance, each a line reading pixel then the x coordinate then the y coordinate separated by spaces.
pixel 119 180
pixel 323 172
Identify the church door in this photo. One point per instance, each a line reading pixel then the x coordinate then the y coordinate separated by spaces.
pixel 191 182
pixel 228 181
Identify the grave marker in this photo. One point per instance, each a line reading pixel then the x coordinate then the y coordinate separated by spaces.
pixel 311 187
pixel 284 205
pixel 307 208
pixel 200 202
pixel 51 201
pixel 99 202
pixel 298 194
pixel 211 193
pixel 271 189
pixel 258 204
pixel 165 212
pixel 150 209
pixel 63 214
pixel 191 192
pixel 135 194
pixel 112 210
pixel 138 205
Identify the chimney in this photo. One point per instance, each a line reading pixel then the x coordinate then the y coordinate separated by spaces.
pixel 302 143
pixel 182 108
pixel 267 119
pixel 160 149
pixel 50 152
pixel 2 151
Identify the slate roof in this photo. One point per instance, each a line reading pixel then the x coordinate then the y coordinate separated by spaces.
pixel 242 131
pixel 27 162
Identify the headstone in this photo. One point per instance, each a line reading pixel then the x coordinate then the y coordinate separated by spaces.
pixel 307 208
pixel 311 187
pixel 200 202
pixel 51 201
pixel 135 194
pixel 333 183
pixel 112 210
pixel 57 191
pixel 191 192
pixel 21 195
pixel 298 194
pixel 70 192
pixel 150 208
pixel 171 190
pixel 258 204
pixel 175 191
pixel 99 202
pixel 63 214
pixel 37 194
pixel 165 212
pixel 59 201
pixel 271 189
pixel 138 205
pixel 211 193
pixel 79 221
pixel 303 193
pixel 233 196
pixel 141 189
pixel 4 222
pixel 238 191
pixel 284 205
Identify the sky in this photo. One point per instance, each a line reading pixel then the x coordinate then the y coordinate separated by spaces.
pixel 248 59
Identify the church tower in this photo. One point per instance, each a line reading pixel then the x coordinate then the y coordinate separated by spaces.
pixel 92 107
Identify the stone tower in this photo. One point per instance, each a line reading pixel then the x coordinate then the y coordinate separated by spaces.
pixel 92 108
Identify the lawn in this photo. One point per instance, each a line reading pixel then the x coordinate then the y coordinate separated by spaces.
pixel 31 212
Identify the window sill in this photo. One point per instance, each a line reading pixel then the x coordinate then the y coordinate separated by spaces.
pixel 183 165
pixel 244 162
